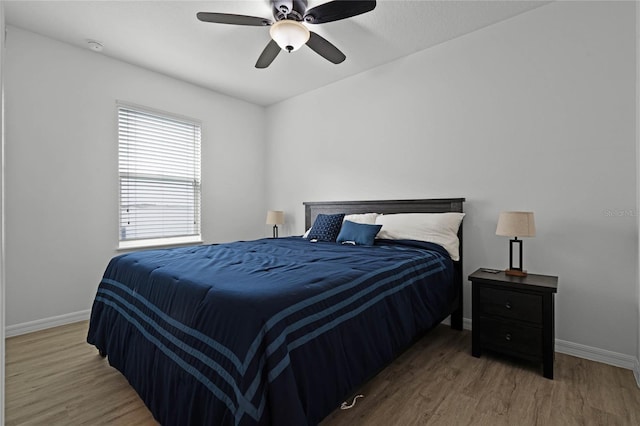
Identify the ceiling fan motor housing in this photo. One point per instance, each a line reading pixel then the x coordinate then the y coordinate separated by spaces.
pixel 291 9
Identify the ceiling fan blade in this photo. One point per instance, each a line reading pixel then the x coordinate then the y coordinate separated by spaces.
pixel 228 18
pixel 324 48
pixel 268 55
pixel 338 9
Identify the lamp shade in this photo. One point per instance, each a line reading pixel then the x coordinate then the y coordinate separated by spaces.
pixel 516 224
pixel 275 217
pixel 289 34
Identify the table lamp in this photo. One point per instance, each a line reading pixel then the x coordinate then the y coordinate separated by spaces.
pixel 516 224
pixel 275 218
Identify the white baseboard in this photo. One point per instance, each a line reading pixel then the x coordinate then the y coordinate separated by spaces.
pixel 596 354
pixel 636 372
pixel 466 324
pixel 42 324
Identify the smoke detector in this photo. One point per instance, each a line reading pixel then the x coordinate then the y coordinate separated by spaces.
pixel 96 46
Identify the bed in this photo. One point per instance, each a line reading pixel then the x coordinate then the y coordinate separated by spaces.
pixel 272 331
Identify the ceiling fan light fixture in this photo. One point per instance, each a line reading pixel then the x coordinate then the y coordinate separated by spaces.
pixel 290 35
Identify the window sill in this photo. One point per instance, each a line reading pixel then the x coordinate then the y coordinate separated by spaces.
pixel 159 242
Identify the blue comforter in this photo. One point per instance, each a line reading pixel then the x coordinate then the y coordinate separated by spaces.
pixel 273 331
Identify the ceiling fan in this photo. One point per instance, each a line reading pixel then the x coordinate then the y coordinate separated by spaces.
pixel 287 31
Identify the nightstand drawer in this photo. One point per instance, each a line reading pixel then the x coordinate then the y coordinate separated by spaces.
pixel 511 337
pixel 511 304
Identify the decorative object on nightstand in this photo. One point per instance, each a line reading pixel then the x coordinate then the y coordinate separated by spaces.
pixel 516 224
pixel 275 218
pixel 514 315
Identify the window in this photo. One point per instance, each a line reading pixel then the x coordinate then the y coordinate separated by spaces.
pixel 159 169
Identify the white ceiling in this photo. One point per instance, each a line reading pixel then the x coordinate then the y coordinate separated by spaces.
pixel 166 37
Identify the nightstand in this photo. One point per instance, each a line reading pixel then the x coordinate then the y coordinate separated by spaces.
pixel 514 316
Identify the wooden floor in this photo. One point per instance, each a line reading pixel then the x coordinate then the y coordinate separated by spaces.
pixel 55 378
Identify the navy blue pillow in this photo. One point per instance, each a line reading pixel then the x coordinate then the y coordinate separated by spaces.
pixel 326 227
pixel 360 233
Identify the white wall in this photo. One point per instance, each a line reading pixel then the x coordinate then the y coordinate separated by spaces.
pixel 533 113
pixel 61 171
pixel 2 268
pixel 637 366
pixel 536 112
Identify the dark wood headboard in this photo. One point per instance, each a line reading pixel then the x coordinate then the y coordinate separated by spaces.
pixel 439 205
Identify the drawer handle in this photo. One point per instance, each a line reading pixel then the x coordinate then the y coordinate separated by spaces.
pixel 507 337
pixel 507 305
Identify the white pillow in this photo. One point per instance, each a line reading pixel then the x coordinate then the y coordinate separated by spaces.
pixel 366 218
pixel 438 228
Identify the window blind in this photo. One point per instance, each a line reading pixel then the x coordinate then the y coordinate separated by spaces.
pixel 159 169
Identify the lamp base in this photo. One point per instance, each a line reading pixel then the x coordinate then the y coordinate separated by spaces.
pixel 515 272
